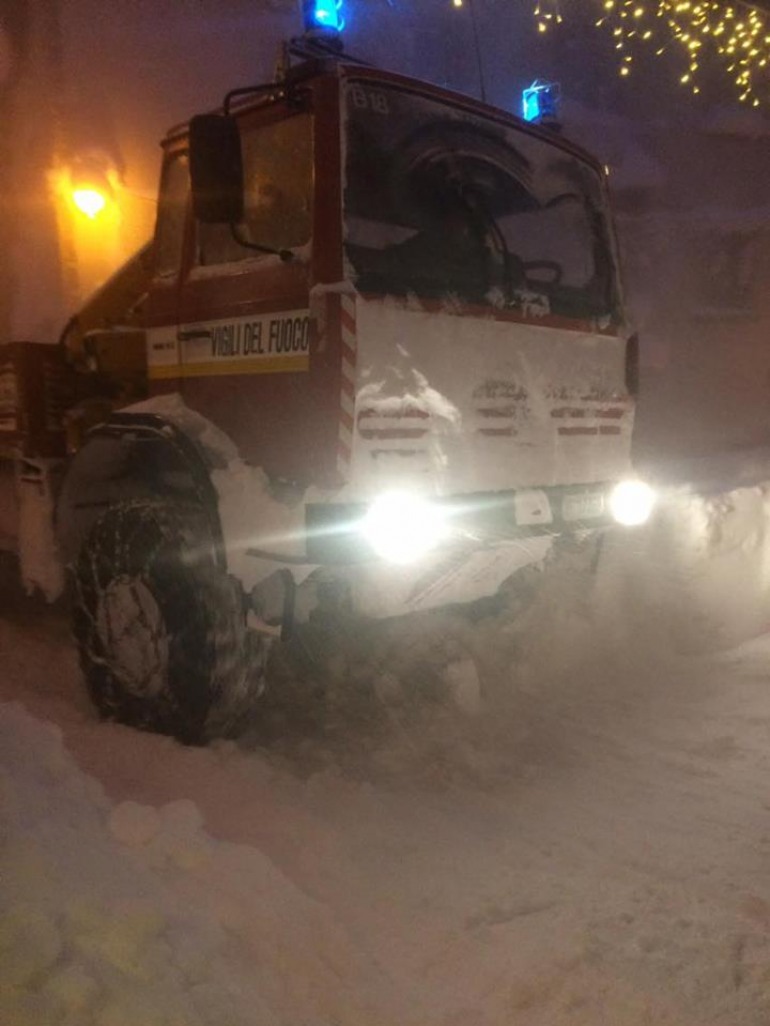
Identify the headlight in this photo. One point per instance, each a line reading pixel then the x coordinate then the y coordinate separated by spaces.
pixel 402 527
pixel 631 503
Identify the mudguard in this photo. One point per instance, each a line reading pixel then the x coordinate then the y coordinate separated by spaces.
pixel 137 454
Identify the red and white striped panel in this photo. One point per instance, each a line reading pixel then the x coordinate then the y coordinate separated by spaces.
pixel 594 419
pixel 498 420
pixel 386 425
pixel 349 353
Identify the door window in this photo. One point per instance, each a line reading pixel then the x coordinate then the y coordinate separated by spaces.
pixel 278 176
pixel 172 211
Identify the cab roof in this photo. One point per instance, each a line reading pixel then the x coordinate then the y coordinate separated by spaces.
pixel 250 98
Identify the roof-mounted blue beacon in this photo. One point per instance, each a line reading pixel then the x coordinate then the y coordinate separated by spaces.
pixel 323 17
pixel 540 104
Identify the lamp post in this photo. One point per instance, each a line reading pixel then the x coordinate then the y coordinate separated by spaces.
pixel 37 279
pixel 11 44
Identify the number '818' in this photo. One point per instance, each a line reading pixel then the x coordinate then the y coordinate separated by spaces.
pixel 369 99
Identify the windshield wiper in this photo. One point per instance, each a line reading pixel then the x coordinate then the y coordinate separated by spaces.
pixel 286 255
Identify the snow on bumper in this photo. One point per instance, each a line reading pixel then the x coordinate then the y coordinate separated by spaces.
pixel 480 541
pixel 402 552
pixel 443 578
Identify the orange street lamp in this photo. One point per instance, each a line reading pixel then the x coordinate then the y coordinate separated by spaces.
pixel 90 182
pixel 89 200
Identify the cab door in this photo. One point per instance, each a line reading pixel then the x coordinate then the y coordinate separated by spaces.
pixel 170 245
pixel 245 331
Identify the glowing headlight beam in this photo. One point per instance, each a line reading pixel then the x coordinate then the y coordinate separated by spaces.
pixel 402 527
pixel 631 503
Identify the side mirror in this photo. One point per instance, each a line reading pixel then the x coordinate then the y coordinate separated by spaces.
pixel 216 169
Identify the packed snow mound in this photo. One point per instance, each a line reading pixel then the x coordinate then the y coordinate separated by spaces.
pixel 697 577
pixel 128 915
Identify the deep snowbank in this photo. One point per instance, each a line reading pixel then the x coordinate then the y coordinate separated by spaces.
pixel 593 850
pixel 129 915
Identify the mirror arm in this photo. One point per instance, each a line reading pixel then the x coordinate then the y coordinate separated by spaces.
pixel 264 87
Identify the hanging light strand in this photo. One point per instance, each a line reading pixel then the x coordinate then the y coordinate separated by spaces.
pixel 699 32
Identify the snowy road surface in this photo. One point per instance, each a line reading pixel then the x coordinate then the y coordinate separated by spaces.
pixel 597 855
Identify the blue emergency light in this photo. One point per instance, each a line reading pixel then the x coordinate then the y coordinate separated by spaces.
pixel 540 102
pixel 326 15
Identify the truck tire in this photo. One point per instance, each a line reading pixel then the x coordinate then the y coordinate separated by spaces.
pixel 160 628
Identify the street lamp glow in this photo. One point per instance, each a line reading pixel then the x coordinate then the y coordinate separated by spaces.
pixel 89 201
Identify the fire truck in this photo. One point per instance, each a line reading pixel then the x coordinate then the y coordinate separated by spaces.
pixel 373 362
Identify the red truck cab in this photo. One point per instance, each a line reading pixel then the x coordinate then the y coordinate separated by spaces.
pixel 387 366
pixel 483 243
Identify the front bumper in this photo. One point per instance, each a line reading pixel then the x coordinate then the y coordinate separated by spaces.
pixel 480 519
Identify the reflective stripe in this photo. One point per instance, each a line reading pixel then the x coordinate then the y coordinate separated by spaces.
pixel 272 365
pixel 349 353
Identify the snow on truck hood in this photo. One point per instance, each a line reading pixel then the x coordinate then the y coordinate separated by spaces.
pixel 457 404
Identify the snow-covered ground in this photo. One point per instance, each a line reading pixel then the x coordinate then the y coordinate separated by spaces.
pixel 594 851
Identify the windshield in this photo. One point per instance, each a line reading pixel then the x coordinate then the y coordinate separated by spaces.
pixel 440 202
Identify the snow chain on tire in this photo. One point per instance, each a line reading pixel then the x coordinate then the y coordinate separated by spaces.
pixel 160 628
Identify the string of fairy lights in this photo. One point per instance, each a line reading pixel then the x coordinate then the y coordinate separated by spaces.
pixel 698 32
pixel 732 34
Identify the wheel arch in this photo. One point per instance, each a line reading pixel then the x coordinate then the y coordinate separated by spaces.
pixel 139 455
